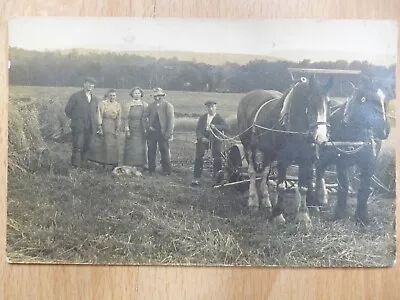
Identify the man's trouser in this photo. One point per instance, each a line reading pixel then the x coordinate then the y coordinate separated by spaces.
pixel 163 146
pixel 81 138
pixel 201 148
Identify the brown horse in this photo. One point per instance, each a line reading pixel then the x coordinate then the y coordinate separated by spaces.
pixel 285 128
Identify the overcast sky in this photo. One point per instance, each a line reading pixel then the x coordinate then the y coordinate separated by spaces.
pixel 375 41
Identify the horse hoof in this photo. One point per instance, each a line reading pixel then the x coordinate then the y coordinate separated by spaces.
pixel 340 214
pixel 278 220
pixel 313 210
pixel 304 228
pixel 303 221
pixel 323 201
pixel 253 209
pixel 267 211
pixel 362 219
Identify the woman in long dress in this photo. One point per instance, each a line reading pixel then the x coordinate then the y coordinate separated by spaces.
pixel 108 122
pixel 136 118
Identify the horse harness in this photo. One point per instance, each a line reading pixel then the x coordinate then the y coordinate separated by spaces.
pixel 254 125
pixel 349 148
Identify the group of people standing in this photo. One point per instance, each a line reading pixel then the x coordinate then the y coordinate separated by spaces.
pixel 97 124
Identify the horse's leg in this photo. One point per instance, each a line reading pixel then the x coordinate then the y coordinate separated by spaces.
pixel 302 216
pixel 253 195
pixel 321 192
pixel 265 201
pixel 311 200
pixel 278 209
pixel 343 190
pixel 367 169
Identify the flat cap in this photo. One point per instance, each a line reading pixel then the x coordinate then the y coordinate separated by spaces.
pixel 209 102
pixel 158 92
pixel 90 79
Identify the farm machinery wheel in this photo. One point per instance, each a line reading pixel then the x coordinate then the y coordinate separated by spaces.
pixel 234 169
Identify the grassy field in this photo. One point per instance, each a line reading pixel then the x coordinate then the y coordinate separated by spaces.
pixel 184 102
pixel 90 216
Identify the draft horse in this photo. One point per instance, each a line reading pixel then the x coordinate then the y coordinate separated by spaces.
pixel 283 128
pixel 360 124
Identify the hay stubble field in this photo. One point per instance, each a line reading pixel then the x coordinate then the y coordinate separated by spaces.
pixel 61 215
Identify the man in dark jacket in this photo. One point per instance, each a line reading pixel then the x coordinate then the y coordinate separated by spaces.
pixel 81 109
pixel 209 128
pixel 160 132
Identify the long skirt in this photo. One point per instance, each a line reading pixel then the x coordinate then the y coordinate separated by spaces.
pixel 135 149
pixel 105 148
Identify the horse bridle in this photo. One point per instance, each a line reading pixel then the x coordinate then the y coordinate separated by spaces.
pixel 349 108
pixel 313 125
pixel 370 138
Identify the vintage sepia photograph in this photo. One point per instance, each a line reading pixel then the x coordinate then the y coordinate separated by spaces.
pixel 203 142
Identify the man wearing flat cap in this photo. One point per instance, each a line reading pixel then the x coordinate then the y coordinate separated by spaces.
pixel 81 109
pixel 160 131
pixel 208 130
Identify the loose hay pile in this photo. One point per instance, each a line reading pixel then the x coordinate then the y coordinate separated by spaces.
pixel 386 170
pixel 27 151
pixel 54 124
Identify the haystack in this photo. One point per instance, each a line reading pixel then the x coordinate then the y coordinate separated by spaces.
pixel 54 124
pixel 385 175
pixel 27 151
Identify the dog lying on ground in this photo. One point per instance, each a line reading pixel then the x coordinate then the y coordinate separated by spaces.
pixel 127 171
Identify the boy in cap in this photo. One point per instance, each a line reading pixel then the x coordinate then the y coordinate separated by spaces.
pixel 160 131
pixel 207 127
pixel 82 110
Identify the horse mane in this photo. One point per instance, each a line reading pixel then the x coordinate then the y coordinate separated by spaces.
pixel 298 92
pixel 285 105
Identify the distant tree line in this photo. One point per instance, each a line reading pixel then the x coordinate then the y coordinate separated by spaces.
pixel 115 70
